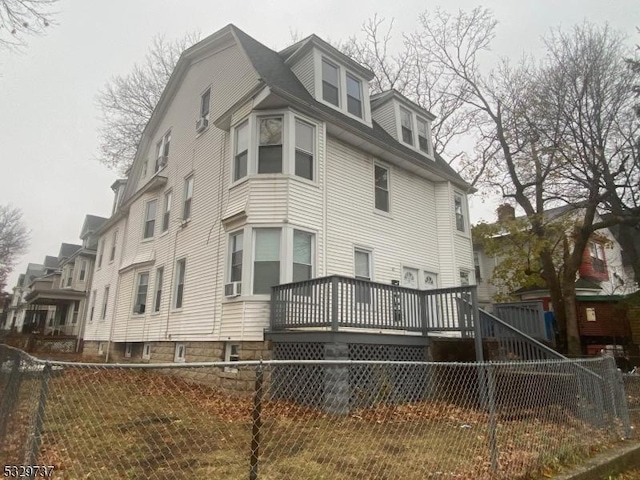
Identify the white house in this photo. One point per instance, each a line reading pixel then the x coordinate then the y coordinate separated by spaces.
pixel 262 168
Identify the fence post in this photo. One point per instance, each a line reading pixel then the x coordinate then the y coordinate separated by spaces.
pixel 491 403
pixel 477 328
pixel 37 431
pixel 256 418
pixel 334 303
pixel 623 408
pixel 11 392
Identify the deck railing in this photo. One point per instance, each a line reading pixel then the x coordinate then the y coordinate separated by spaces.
pixel 337 302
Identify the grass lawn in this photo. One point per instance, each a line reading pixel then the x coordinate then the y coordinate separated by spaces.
pixel 142 424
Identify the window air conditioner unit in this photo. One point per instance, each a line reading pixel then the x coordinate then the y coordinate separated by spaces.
pixel 233 289
pixel 201 124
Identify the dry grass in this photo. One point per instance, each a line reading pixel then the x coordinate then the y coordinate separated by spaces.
pixel 141 424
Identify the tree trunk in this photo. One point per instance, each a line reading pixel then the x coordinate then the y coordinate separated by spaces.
pixel 555 292
pixel 574 348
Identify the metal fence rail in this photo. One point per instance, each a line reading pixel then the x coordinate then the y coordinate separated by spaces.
pixel 305 419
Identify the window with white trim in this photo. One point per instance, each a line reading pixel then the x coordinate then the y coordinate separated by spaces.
pixel 114 242
pixel 105 302
pixel 180 353
pixel 362 270
pixel 423 136
pixel 236 241
pixel 166 211
pixel 458 203
pixel 266 259
pixel 231 354
pixel 381 188
pixel 162 151
pixel 406 126
pixel 464 278
pixel 150 219
pixel 330 83
pixel 69 275
pixel 241 156
pixel 146 351
pixel 100 253
pixel 158 289
pixel 128 347
pixel 476 265
pixel 270 133
pixel 142 287
pixel 302 256
pixel 188 195
pixel 93 305
pixel 205 100
pixel 83 270
pixel 181 266
pixel 305 149
pixel 354 96
pixel 76 312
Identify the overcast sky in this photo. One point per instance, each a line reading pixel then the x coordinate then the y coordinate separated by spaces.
pixel 49 121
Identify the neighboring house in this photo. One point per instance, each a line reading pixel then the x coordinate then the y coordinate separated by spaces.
pixel 5 303
pixel 65 291
pixel 19 313
pixel 602 281
pixel 259 169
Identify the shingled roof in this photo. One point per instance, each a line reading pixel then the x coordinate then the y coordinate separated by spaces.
pixel 278 76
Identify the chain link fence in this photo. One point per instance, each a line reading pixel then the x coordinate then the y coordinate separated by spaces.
pixel 306 419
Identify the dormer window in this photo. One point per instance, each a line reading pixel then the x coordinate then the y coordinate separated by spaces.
pixel 354 96
pixel 406 126
pixel 423 136
pixel 330 83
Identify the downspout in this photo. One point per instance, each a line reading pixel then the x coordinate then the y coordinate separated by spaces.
pixel 117 292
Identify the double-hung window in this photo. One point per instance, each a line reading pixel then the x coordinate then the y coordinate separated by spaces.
pixel 266 263
pixel 406 125
pixel 69 276
pixel 330 83
pixel 167 211
pixel 302 256
pixel 150 219
pixel 105 302
pixel 162 151
pixel 114 242
pixel 188 194
pixel 94 294
pixel 423 136
pixel 270 147
pixel 181 266
pixel 242 152
pixel 362 268
pixel 83 270
pixel 354 96
pixel 76 312
pixel 140 305
pixel 305 144
pixel 100 253
pixel 459 212
pixel 158 296
pixel 381 188
pixel 236 242
pixel 205 100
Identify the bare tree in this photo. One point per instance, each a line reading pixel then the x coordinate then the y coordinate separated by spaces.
pixel 20 18
pixel 14 240
pixel 547 133
pixel 416 73
pixel 127 101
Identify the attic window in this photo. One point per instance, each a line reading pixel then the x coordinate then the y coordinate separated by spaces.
pixel 406 126
pixel 423 136
pixel 354 96
pixel 330 83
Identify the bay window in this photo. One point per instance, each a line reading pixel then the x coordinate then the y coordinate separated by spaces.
pixel 266 262
pixel 241 152
pixel 302 256
pixel 270 145
pixel 305 134
pixel 236 248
